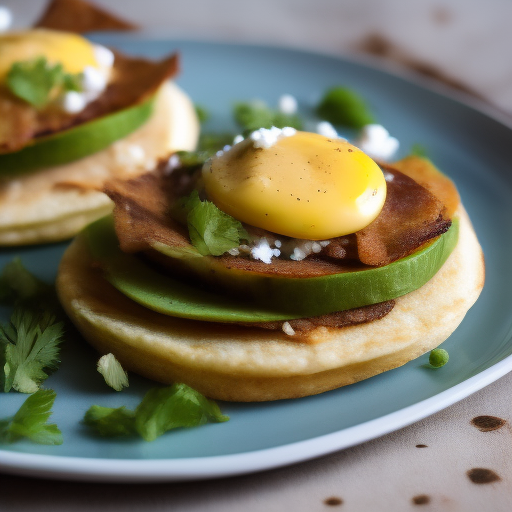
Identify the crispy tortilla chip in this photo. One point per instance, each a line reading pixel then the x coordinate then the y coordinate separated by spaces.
pixel 79 16
pixel 134 80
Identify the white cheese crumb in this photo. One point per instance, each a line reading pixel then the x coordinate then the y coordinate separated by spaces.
pixel 278 243
pixel 94 81
pixel 298 254
pixel 234 252
pixel 326 129
pixel 288 329
pixel 388 176
pixel 376 142
pixel 287 104
pixel 316 247
pixel 5 18
pixel 265 138
pixel 237 139
pixel 262 251
pixel 104 57
pixel 72 102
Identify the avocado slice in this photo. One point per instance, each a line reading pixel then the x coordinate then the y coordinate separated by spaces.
pixel 77 142
pixel 269 298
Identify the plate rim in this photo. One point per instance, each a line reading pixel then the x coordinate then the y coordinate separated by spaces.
pixel 121 470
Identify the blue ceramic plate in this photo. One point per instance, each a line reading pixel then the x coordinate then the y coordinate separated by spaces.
pixel 468 145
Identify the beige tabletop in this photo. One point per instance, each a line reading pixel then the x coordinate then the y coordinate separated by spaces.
pixel 459 459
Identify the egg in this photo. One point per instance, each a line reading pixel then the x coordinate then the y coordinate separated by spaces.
pixel 71 50
pixel 301 184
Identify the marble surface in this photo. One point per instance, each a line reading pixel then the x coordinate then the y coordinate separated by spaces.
pixel 462 42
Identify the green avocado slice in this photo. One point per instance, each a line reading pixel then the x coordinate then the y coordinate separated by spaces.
pixel 275 298
pixel 138 281
pixel 75 143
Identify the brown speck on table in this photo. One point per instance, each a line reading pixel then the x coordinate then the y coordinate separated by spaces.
pixel 488 423
pixel 421 446
pixel 483 476
pixel 333 501
pixel 421 499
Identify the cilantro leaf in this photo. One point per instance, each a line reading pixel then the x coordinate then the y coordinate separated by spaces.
pixel 31 347
pixel 211 230
pixel 163 409
pixel 31 421
pixel 33 80
pixel 254 115
pixel 113 372
pixel 342 106
pixel 36 81
pixel 109 422
pixel 19 286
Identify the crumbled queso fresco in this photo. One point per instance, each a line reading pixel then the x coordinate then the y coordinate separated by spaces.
pixel 293 248
pixel 376 142
pixel 94 82
pixel 265 138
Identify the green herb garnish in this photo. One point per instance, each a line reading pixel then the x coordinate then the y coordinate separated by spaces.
pixel 18 287
pixel 161 410
pixel 342 106
pixel 202 113
pixel 37 81
pixel 438 358
pixel 30 347
pixel 31 421
pixel 113 372
pixel 254 115
pixel 109 422
pixel 419 150
pixel 211 230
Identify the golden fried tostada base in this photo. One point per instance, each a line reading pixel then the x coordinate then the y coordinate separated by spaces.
pixel 230 362
pixel 56 203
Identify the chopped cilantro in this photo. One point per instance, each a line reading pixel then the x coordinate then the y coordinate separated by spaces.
pixel 30 344
pixel 20 287
pixel 161 410
pixel 211 230
pixel 342 106
pixel 192 158
pixel 254 115
pixel 113 372
pixel 210 143
pixel 31 421
pixel 37 81
pixel 109 422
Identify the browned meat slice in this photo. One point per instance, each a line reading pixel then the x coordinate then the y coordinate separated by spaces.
pixel 411 216
pixel 134 80
pixel 79 16
pixel 338 319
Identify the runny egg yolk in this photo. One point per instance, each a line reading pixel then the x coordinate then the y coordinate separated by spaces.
pixel 304 186
pixel 71 50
